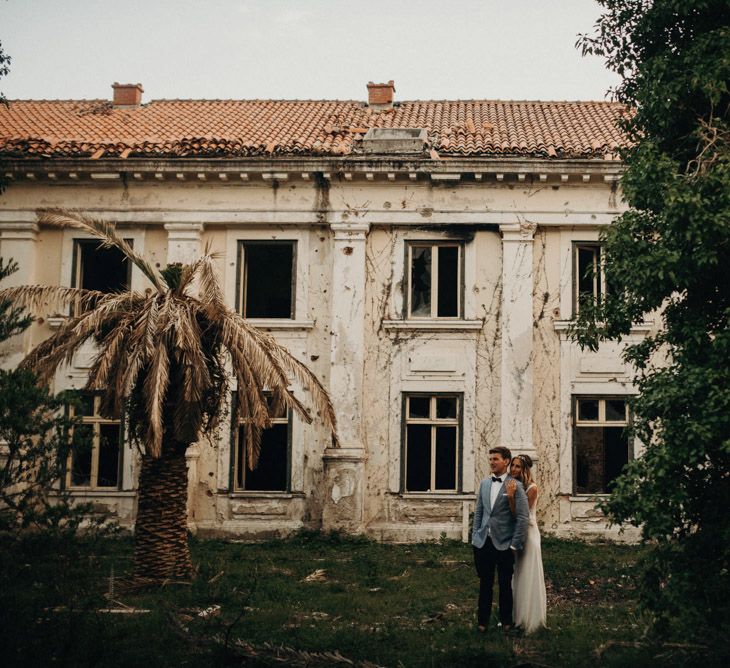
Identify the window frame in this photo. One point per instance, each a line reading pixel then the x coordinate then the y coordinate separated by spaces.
pixel 95 420
pixel 601 285
pixel 599 422
pixel 434 422
pixel 409 244
pixel 241 275
pixel 76 262
pixel 235 458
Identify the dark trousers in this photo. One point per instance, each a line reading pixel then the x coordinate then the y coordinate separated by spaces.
pixel 486 559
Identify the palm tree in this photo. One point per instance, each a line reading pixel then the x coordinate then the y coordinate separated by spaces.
pixel 162 359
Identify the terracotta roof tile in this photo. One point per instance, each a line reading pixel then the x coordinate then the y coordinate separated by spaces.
pixel 242 128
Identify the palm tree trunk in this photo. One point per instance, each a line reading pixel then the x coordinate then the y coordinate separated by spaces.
pixel 161 550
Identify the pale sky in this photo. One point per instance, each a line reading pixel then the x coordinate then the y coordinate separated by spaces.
pixel 301 49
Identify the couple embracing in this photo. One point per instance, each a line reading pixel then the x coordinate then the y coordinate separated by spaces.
pixel 506 538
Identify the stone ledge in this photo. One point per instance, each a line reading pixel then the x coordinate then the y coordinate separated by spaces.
pixel 280 324
pixel 243 495
pixel 102 494
pixel 435 496
pixel 432 325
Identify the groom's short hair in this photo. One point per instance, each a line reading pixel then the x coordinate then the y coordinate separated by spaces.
pixel 503 452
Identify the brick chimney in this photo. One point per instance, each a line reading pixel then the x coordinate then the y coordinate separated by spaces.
pixel 127 95
pixel 380 96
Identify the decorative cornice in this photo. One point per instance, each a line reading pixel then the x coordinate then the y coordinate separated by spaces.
pixel 27 231
pixel 184 231
pixel 523 231
pixel 230 172
pixel 140 217
pixel 350 231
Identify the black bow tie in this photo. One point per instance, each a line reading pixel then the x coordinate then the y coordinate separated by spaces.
pixel 494 479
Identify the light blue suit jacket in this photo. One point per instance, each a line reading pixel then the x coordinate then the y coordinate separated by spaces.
pixel 499 523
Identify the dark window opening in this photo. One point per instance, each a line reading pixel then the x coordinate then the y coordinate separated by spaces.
pixel 418 457
pixel 431 448
pixel 102 269
pixel 267 281
pixel 448 288
pixel 272 472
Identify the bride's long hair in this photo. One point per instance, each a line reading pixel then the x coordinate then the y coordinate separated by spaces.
pixel 526 474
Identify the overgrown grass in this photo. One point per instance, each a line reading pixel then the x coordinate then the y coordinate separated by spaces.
pixel 390 605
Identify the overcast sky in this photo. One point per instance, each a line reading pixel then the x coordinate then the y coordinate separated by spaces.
pixel 301 49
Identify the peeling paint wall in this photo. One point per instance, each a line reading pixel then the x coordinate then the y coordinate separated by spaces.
pixel 360 488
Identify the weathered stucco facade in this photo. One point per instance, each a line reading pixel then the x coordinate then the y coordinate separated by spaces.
pixel 354 221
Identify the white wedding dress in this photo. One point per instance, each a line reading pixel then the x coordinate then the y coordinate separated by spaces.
pixel 528 582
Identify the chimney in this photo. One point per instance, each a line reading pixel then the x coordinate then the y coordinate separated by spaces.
pixel 127 95
pixel 380 96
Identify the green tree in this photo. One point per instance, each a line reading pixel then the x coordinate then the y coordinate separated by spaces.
pixel 669 256
pixel 162 359
pixel 34 433
pixel 4 69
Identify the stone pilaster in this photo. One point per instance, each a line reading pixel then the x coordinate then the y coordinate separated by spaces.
pixel 517 336
pixel 18 242
pixel 344 466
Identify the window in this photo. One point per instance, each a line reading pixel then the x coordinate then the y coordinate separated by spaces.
pixel 431 443
pixel 589 280
pixel 102 269
pixel 266 279
pixel 95 459
pixel 601 443
pixel 434 280
pixel 272 471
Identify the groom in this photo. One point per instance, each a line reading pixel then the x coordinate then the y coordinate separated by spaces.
pixel 497 536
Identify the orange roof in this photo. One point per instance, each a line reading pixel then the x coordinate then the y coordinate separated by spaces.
pixel 269 128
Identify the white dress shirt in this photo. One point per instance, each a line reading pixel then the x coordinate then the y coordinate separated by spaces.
pixel 496 487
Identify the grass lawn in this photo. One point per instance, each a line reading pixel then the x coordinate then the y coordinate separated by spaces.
pixel 391 605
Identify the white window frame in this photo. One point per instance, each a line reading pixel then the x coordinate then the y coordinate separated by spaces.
pixel 96 421
pixel 235 235
pixel 599 277
pixel 599 422
pixel 434 422
pixel 434 246
pixel 242 275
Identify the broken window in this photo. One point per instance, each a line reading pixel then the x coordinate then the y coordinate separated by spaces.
pixel 266 279
pixel 98 268
pixel 434 280
pixel 271 474
pixel 95 457
pixel 589 283
pixel 601 443
pixel 431 449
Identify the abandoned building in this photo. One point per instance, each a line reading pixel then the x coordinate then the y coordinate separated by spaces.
pixel 424 258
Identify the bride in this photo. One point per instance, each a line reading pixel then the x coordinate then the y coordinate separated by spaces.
pixel 528 583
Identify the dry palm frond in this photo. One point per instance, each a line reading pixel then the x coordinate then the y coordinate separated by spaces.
pixel 36 297
pixel 162 354
pixel 155 389
pixel 211 295
pixel 59 348
pixel 109 357
pixel 103 230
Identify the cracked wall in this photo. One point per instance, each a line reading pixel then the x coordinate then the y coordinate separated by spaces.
pixel 395 359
